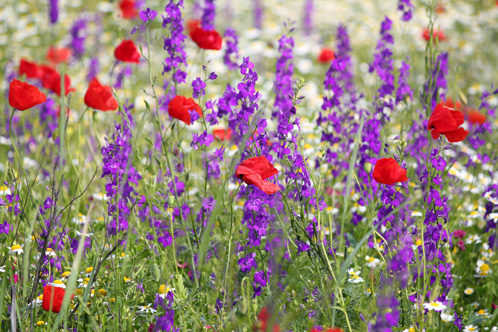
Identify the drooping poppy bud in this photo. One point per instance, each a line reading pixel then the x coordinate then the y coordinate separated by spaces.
pixel 23 95
pixel 53 295
pixel 222 134
pixel 30 69
pixel 128 9
pixel 58 55
pixel 387 171
pixel 127 52
pixel 255 171
pixel 447 122
pixel 207 40
pixel 180 106
pixel 52 80
pixel 326 55
pixel 100 97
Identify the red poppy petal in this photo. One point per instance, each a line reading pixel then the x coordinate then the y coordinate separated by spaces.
pixel 456 135
pixel 255 179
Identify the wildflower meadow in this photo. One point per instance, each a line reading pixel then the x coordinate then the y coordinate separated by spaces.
pixel 249 165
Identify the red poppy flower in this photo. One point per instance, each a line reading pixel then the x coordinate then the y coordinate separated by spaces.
pixel 23 95
pixel 435 35
pixel 222 134
pixel 262 322
pixel 474 117
pixel 207 40
pixel 52 80
pixel 52 298
pixel 192 25
pixel 58 55
pixel 326 55
pixel 449 103
pixel 30 69
pixel 100 97
pixel 128 9
pixel 440 8
pixel 179 106
pixel 387 171
pixel 445 121
pixel 127 52
pixel 255 171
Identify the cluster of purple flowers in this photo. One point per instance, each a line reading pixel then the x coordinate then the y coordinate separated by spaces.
pixel 173 44
pixel 116 165
pixel 208 15
pixel 78 37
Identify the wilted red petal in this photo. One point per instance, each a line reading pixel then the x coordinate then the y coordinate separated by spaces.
pixel 127 52
pixel 208 40
pixel 23 95
pixel 179 106
pixel 387 171
pixel 100 97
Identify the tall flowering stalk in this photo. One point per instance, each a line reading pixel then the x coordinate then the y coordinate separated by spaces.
pixel 53 11
pixel 116 166
pixel 258 14
pixel 208 15
pixel 231 52
pixel 174 43
pixel 308 17
pixel 78 37
pixel 283 78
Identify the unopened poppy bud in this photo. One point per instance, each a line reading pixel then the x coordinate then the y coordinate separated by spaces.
pixel 171 200
pixel 367 167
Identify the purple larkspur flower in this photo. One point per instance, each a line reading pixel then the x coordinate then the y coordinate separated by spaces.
pixel 78 37
pixel 148 15
pixel 198 87
pixel 406 7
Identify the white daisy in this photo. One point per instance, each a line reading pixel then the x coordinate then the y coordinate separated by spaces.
pixel 15 249
pixel 468 291
pixel 446 317
pixel 435 305
pixel 470 328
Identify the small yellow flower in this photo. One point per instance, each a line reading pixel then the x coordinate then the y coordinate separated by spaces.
pixel 40 323
pixel 66 274
pixel 89 270
pixel 126 280
pixel 103 292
